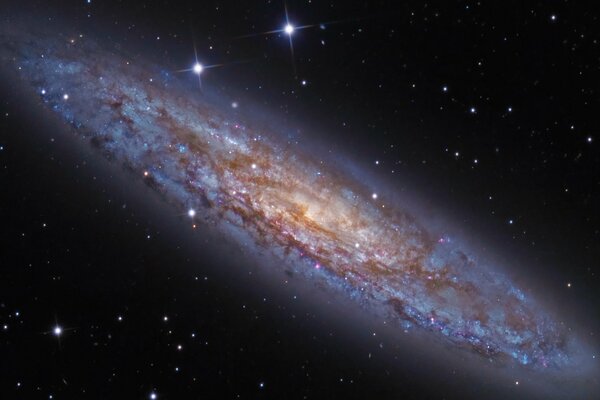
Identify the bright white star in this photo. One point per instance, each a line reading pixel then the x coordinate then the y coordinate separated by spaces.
pixel 289 29
pixel 198 68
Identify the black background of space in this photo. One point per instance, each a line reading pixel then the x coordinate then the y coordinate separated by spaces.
pixel 78 252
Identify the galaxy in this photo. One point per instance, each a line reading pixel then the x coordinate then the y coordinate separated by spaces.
pixel 247 175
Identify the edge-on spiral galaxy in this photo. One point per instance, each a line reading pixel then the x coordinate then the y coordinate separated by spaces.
pixel 258 188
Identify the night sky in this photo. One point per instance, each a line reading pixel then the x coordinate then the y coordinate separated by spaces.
pixel 488 111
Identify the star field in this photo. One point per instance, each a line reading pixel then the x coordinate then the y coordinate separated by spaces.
pixel 486 111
